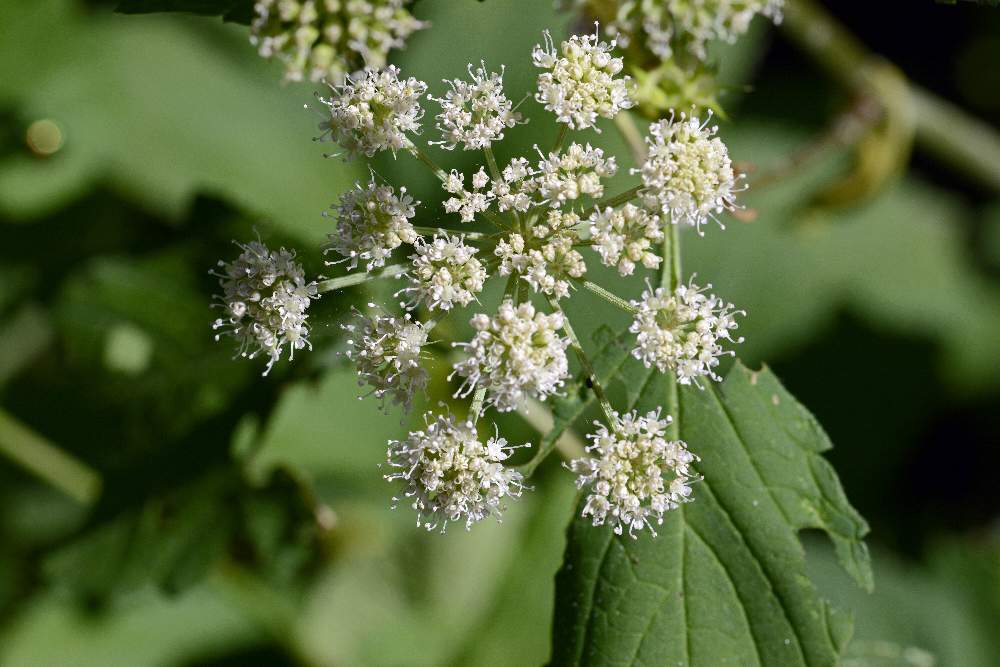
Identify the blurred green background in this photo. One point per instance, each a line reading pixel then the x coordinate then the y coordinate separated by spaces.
pixel 243 520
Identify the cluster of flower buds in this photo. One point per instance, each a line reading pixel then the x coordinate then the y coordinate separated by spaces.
pixel 548 215
pixel 326 40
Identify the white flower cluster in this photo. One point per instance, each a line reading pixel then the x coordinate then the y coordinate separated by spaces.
pixel 265 296
pixel 475 113
pixel 449 474
pixel 666 26
pixel 372 221
pixel 636 475
pixel 546 268
pixel 688 174
pixel 623 237
pixel 374 111
pixel 386 351
pixel 575 172
pixel 681 331
pixel 446 272
pixel 467 204
pixel 516 354
pixel 545 214
pixel 581 83
pixel 329 39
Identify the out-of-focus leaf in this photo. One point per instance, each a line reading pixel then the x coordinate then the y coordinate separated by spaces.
pixel 173 541
pixel 725 580
pixel 161 112
pixel 944 609
pixel 145 628
pixel 238 11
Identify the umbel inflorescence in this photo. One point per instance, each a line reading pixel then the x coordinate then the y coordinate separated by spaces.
pixel 550 217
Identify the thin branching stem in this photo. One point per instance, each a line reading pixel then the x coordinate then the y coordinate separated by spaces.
pixel 610 297
pixel 588 368
pixel 352 279
pixel 621 198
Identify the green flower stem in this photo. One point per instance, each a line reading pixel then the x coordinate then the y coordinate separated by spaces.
pixel 945 131
pixel 360 277
pixel 561 138
pixel 50 463
pixel 476 411
pixel 620 198
pixel 608 296
pixel 491 163
pixel 629 131
pixel 469 236
pixel 574 342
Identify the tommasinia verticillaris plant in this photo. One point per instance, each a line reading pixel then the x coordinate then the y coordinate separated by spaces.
pixel 326 40
pixel 265 297
pixel 549 215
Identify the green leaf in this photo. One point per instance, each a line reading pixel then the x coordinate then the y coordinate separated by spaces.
pixel 238 11
pixel 725 580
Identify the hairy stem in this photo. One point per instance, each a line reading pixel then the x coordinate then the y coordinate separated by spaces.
pixel 469 236
pixel 491 163
pixel 351 279
pixel 608 296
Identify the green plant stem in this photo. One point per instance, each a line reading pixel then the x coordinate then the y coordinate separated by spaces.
pixel 620 198
pixel 476 411
pixel 629 131
pixel 608 296
pixel 560 138
pixel 568 444
pixel 469 236
pixel 948 133
pixel 349 280
pixel 588 368
pixel 491 163
pixel 48 462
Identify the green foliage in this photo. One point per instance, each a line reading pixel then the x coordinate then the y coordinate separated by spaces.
pixel 237 11
pixel 725 580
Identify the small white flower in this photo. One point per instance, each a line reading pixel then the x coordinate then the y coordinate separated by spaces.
pixel 624 237
pixel 265 296
pixel 467 204
pixel 372 221
pixel 688 175
pixel 546 267
pixel 374 111
pixel 574 173
pixel 451 475
pixel 446 272
pixel 681 331
pixel 386 351
pixel 635 474
pixel 582 82
pixel 514 191
pixel 475 113
pixel 516 354
pixel 327 40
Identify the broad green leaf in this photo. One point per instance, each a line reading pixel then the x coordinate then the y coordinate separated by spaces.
pixel 724 583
